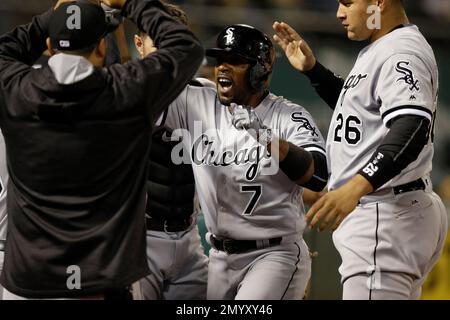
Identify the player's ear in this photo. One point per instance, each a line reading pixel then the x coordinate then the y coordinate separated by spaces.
pixel 139 44
pixel 100 49
pixel 266 80
pixel 382 4
pixel 49 47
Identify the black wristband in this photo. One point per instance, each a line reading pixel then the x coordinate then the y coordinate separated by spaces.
pixel 320 176
pixel 327 84
pixel 316 73
pixel 296 163
pixel 378 170
pixel 400 147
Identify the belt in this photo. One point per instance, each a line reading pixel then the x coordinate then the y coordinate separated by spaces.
pixel 172 225
pixel 2 245
pixel 388 193
pixel 232 246
pixel 410 186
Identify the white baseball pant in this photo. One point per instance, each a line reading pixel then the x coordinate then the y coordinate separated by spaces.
pixel 178 265
pixel 280 272
pixel 390 243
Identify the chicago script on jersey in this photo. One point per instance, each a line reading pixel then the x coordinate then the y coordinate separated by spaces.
pixel 204 153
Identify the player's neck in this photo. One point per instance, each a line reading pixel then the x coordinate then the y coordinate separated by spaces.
pixel 257 98
pixel 389 23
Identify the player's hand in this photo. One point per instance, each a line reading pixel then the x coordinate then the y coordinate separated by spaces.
pixel 336 205
pixel 97 2
pixel 60 2
pixel 296 49
pixel 246 118
pixel 310 197
pixel 115 4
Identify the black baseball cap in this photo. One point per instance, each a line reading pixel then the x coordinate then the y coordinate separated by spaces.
pixel 77 25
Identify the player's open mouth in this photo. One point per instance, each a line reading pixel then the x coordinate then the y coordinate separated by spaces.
pixel 225 84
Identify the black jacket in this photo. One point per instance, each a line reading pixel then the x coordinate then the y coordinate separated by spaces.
pixel 77 157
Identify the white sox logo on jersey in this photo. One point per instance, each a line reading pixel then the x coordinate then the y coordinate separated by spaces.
pixel 408 76
pixel 305 124
pixel 352 82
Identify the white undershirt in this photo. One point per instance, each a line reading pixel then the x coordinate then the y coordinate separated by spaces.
pixel 69 69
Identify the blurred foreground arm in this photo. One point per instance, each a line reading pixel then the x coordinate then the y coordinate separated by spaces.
pixel 155 81
pixel 299 53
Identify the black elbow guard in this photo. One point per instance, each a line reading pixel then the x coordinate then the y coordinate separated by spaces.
pixel 296 163
pixel 320 176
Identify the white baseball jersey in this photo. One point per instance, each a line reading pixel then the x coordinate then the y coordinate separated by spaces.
pixel 3 183
pixel 395 75
pixel 240 196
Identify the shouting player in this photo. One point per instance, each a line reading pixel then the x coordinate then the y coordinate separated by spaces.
pixel 254 216
pixel 390 225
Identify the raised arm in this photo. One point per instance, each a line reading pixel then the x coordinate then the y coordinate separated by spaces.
pixel 160 77
pixel 299 53
pixel 25 44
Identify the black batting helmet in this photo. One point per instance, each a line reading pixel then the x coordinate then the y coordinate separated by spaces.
pixel 251 44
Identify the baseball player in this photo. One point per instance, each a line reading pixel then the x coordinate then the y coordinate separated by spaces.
pixel 390 225
pixel 236 134
pixel 178 265
pixel 3 217
pixel 77 138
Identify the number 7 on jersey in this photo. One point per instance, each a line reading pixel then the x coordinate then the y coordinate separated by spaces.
pixel 257 192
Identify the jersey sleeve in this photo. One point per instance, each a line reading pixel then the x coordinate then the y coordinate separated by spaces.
pixel 405 87
pixel 301 130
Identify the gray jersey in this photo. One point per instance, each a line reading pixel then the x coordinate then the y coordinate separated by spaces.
pixel 238 199
pixel 3 183
pixel 396 75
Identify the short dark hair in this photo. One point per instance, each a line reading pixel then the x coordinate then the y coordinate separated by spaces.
pixel 175 12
